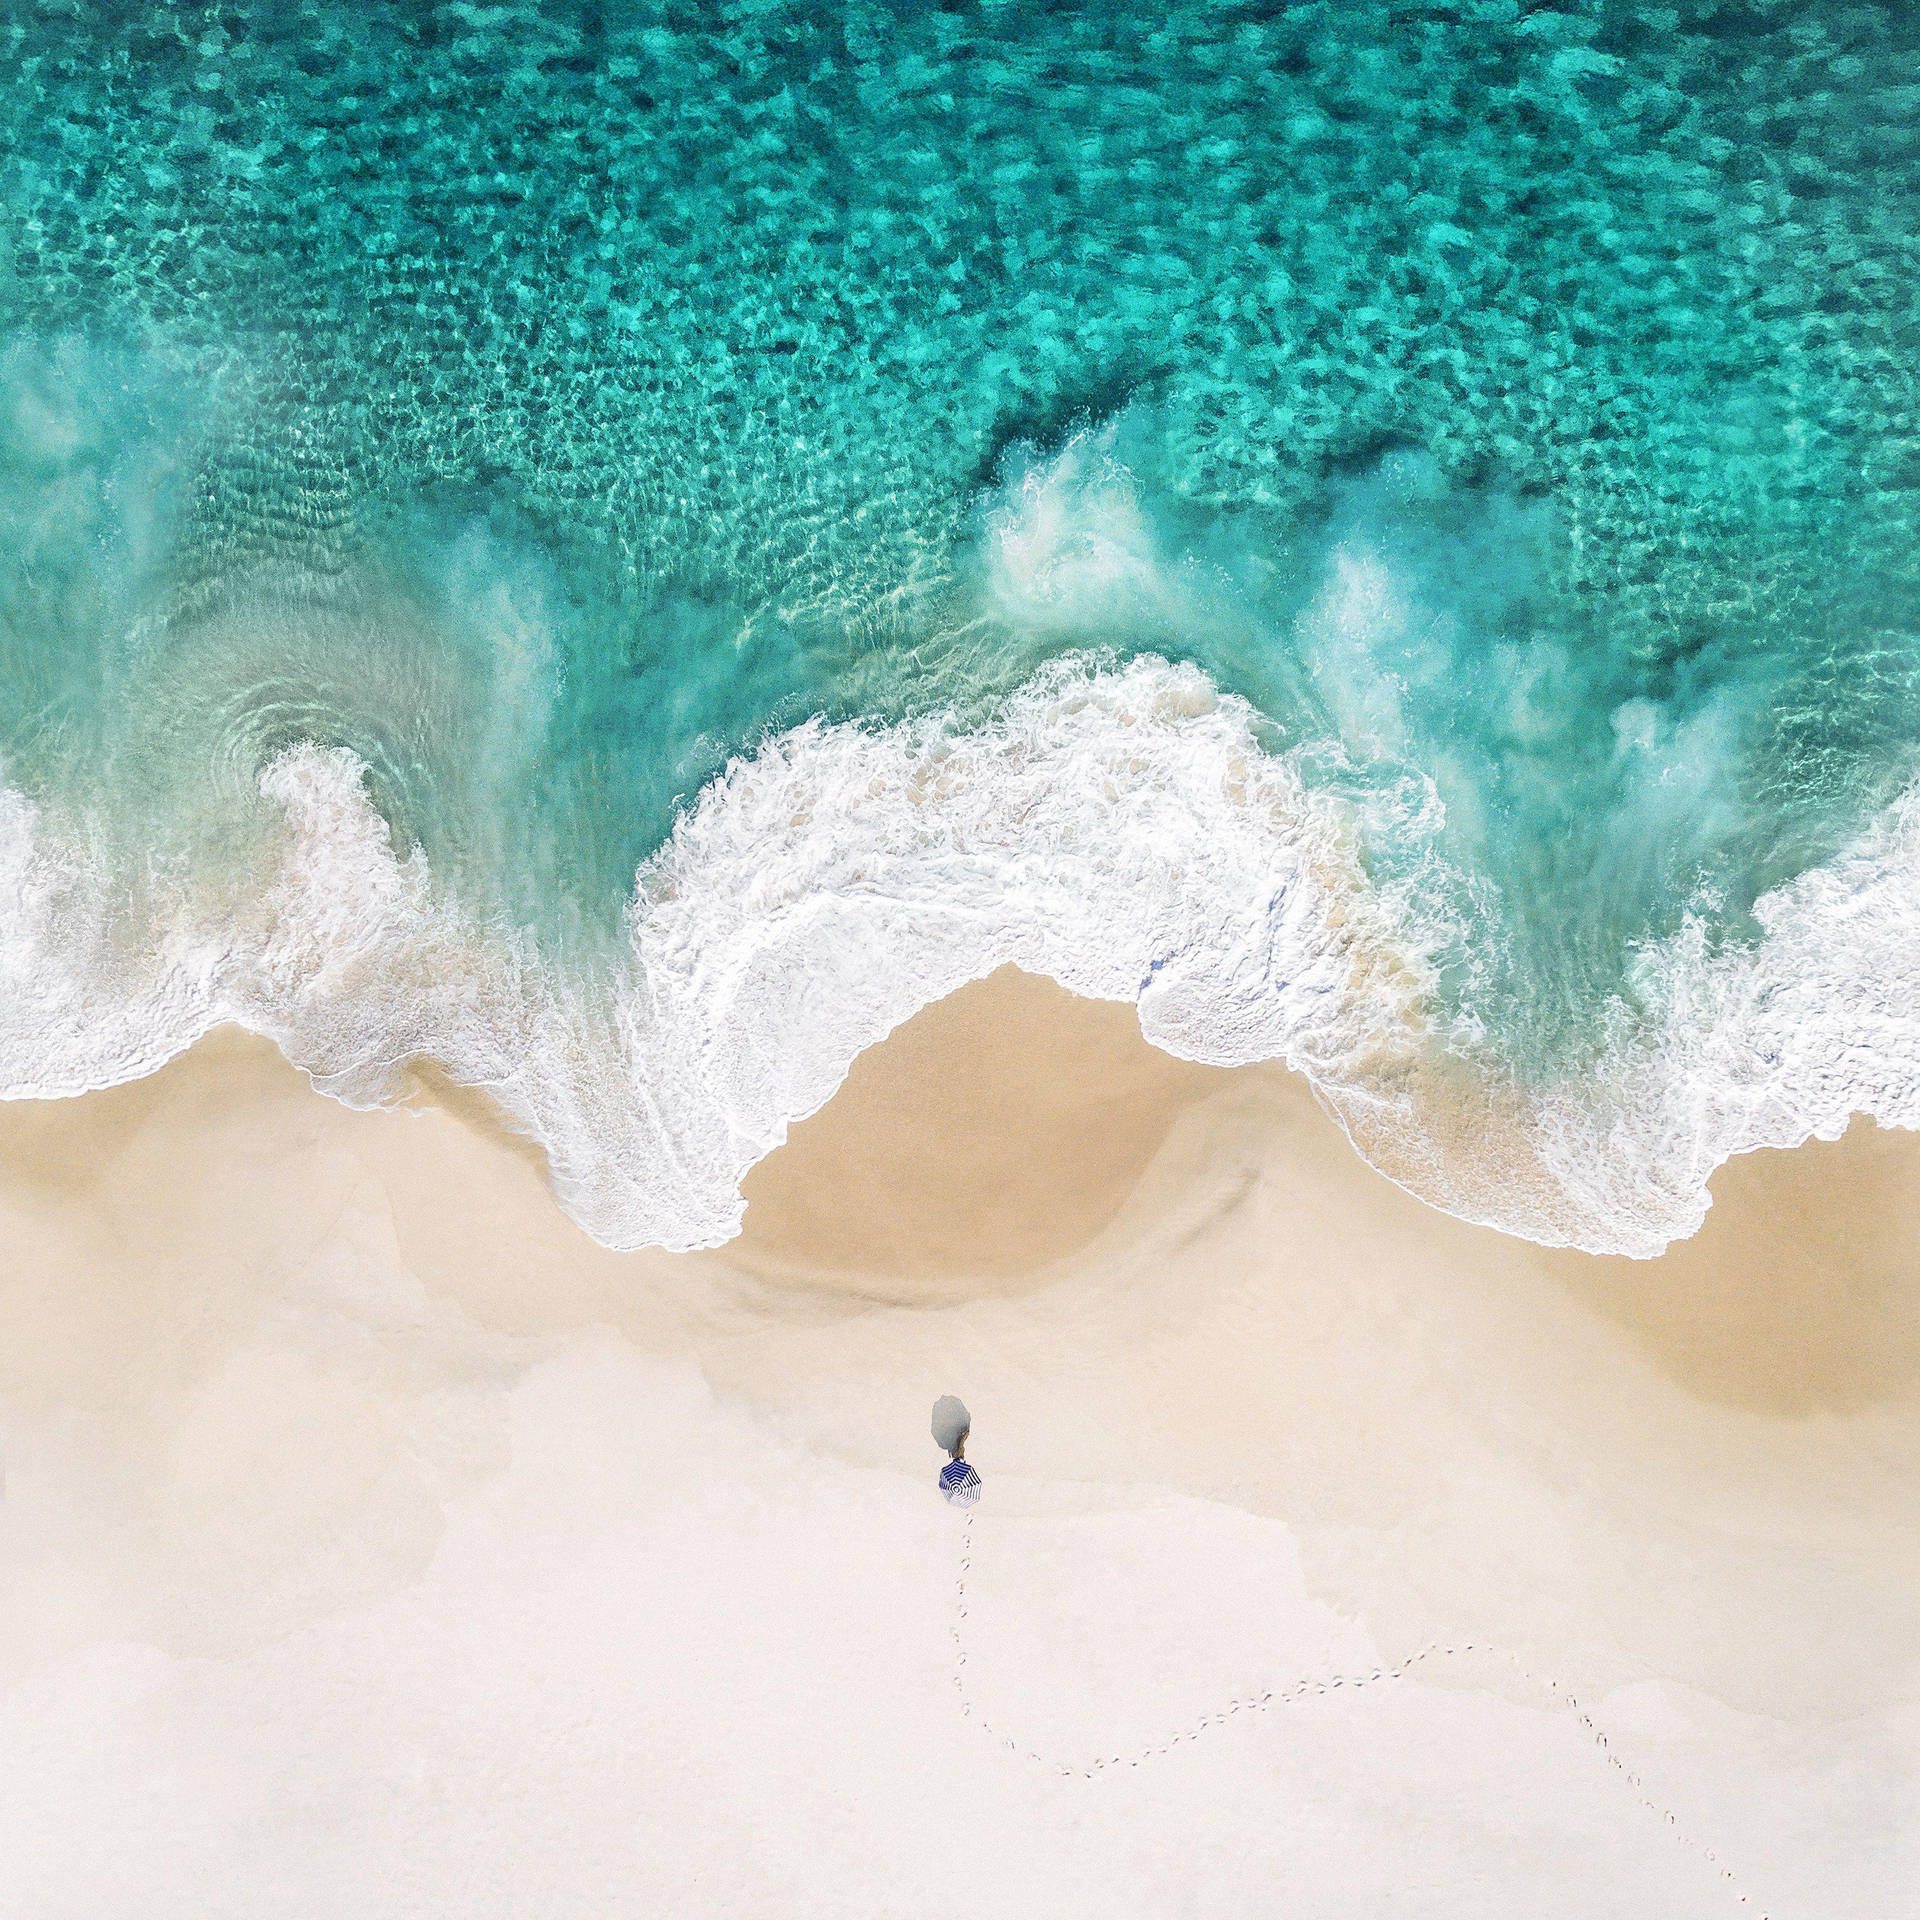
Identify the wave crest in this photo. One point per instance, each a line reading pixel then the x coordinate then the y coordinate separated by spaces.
pixel 1127 829
pixel 1118 829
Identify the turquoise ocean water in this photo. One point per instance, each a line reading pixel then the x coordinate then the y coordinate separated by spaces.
pixel 621 549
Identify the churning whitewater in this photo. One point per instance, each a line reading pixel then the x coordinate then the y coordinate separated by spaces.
pixel 1120 827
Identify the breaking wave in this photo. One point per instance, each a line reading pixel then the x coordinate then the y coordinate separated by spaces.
pixel 1117 827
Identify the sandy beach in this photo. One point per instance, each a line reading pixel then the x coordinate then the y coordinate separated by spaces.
pixel 374 1542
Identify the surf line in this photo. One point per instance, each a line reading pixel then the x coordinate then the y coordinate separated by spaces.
pixel 1303 1689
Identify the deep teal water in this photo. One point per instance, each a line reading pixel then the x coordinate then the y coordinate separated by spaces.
pixel 549 401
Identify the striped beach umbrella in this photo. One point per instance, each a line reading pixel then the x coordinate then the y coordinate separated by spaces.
pixel 959 1483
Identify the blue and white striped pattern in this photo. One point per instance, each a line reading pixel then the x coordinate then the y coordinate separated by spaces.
pixel 959 1483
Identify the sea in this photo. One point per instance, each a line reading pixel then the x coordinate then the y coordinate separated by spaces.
pixel 615 552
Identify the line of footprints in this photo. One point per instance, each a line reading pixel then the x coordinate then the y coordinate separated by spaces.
pixel 960 1484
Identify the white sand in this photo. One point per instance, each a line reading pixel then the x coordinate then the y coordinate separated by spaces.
pixel 373 1544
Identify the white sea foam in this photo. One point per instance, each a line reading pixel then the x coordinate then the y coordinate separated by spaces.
pixel 1119 830
pixel 1116 827
pixel 83 1001
pixel 1760 1046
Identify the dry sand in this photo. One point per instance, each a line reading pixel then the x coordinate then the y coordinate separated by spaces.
pixel 375 1544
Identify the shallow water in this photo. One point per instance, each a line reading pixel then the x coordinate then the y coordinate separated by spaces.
pixel 436 442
